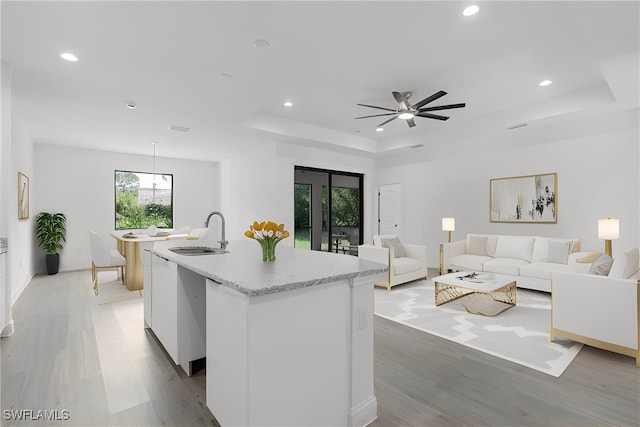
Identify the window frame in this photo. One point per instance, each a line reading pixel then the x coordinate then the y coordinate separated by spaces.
pixel 115 197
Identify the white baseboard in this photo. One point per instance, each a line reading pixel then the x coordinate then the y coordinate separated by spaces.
pixel 364 413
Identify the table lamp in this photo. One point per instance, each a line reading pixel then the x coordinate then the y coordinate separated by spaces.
pixel 608 229
pixel 449 224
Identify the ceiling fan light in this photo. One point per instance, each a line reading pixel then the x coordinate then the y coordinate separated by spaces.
pixel 406 115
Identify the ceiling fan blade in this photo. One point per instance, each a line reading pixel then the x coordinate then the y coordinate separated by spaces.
pixel 429 99
pixel 376 115
pixel 411 123
pixel 379 108
pixel 400 100
pixel 387 121
pixel 442 107
pixel 432 116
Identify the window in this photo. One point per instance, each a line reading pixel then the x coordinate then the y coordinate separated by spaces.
pixel 143 199
pixel 302 220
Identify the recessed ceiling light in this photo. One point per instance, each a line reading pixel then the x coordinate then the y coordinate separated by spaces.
pixel 131 105
pixel 545 83
pixel 379 129
pixel 69 57
pixel 261 44
pixel 406 115
pixel 470 10
pixel 177 128
pixel 288 104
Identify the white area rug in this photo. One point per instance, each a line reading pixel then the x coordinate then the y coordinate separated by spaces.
pixel 519 334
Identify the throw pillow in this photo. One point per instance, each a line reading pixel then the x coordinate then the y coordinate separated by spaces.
pixel 624 266
pixel 557 252
pixel 601 266
pixel 477 245
pixel 519 247
pixel 588 259
pixel 398 251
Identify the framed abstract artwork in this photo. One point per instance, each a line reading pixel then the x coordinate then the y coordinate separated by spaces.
pixel 530 198
pixel 23 196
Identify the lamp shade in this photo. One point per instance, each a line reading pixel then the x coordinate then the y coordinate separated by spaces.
pixel 608 229
pixel 448 224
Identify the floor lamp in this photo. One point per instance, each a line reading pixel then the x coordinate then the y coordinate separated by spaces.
pixel 449 225
pixel 608 230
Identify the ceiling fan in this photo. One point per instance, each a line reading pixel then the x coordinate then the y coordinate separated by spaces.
pixel 407 112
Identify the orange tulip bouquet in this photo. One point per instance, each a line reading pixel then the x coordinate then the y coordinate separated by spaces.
pixel 268 234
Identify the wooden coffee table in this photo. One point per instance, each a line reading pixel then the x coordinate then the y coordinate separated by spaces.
pixel 484 293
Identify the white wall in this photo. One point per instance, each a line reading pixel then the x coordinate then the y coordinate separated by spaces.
pixel 259 185
pixel 79 183
pixel 21 231
pixel 597 178
pixel 17 156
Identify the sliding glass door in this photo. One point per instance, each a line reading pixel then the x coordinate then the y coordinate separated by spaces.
pixel 328 210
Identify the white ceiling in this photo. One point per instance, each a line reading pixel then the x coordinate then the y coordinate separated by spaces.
pixel 326 57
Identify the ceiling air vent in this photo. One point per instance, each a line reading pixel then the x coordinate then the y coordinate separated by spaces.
pixel 179 128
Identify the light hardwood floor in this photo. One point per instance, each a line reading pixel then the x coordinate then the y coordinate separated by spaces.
pixel 97 362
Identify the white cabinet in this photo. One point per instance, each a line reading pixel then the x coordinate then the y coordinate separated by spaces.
pixel 178 306
pixel 146 257
pixel 192 314
pixel 164 307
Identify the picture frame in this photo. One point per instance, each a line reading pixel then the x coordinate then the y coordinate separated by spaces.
pixel 23 196
pixel 524 199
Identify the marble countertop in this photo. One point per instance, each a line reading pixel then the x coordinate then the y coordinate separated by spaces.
pixel 243 270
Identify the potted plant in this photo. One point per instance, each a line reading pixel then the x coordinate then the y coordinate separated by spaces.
pixel 50 232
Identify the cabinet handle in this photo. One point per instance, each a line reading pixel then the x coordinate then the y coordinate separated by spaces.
pixel 160 256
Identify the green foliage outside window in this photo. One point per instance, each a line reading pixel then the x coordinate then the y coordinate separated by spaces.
pixel 345 204
pixel 142 200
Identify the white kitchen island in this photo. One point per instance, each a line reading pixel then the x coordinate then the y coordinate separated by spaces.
pixel 287 343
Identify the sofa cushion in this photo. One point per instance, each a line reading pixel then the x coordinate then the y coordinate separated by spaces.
pixel 468 262
pixel 520 247
pixel 551 249
pixel 557 252
pixel 601 266
pixel 504 265
pixel 490 243
pixel 405 265
pixel 542 269
pixel 477 245
pixel 624 266
pixel 395 243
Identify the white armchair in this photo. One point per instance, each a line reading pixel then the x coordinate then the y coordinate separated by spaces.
pixel 600 311
pixel 406 262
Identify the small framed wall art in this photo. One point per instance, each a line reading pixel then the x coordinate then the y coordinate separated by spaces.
pixel 530 198
pixel 23 196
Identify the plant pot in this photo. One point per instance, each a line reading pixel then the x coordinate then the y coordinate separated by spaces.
pixel 53 262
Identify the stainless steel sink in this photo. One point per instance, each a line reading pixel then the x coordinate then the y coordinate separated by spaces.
pixel 197 250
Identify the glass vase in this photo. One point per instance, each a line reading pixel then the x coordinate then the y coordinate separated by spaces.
pixel 268 250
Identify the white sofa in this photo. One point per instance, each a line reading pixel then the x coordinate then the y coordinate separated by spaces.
pixel 600 311
pixel 411 265
pixel 530 259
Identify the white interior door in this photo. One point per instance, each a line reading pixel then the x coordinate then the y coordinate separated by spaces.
pixel 390 209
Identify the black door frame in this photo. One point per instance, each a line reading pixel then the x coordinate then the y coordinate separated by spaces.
pixel 330 174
